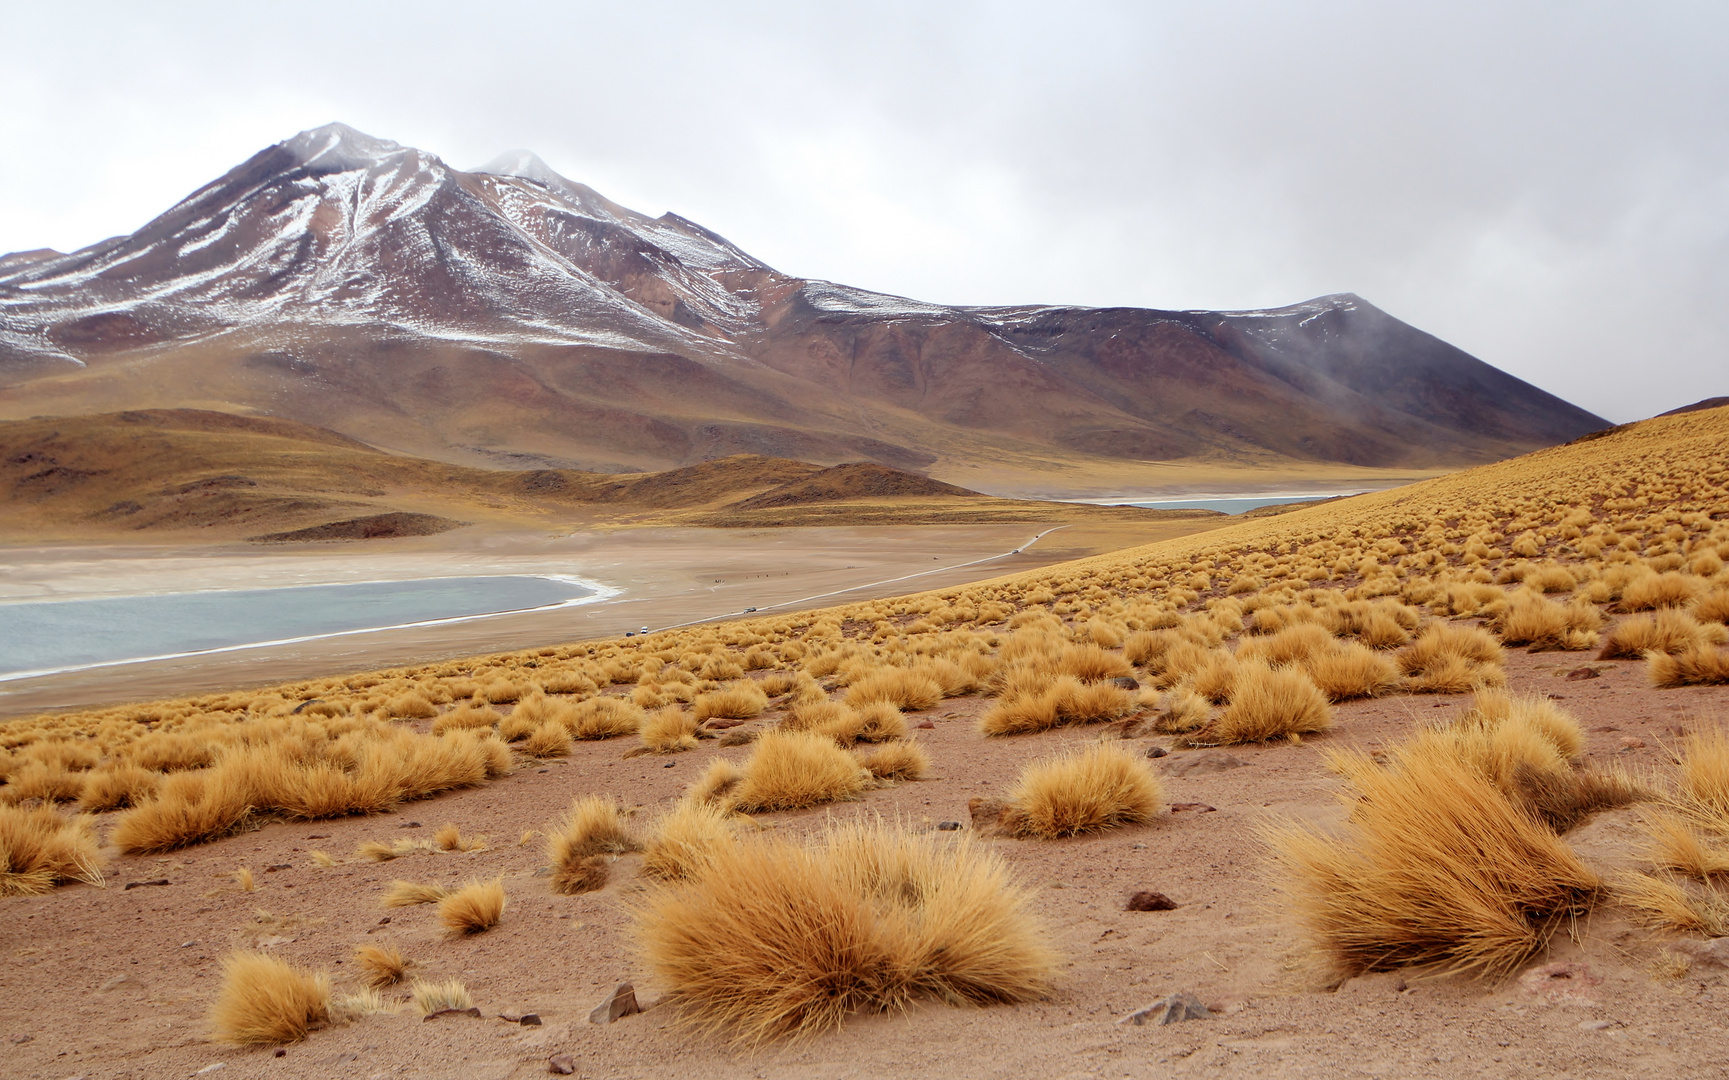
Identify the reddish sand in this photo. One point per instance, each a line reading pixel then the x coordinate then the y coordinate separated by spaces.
pixel 115 982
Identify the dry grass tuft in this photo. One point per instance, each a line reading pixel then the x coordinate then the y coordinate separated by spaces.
pixel 1667 630
pixel 1659 591
pixel 790 770
pixel 410 893
pixel 579 847
pixel 1452 659
pixel 778 940
pixel 1346 671
pixel 901 687
pixel 717 782
pixel 1531 619
pixel 1268 703
pixel 1098 788
pixel 899 760
pixel 475 907
pixel 1062 701
pixel 549 739
pixel 381 965
pixel 669 731
pixel 1701 665
pixel 602 718
pixel 1662 901
pixel 449 838
pixel 1438 869
pixel 734 703
pixel 264 1000
pixel 686 838
pixel 432 997
pixel 39 848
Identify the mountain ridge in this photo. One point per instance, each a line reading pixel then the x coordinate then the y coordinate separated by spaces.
pixel 352 282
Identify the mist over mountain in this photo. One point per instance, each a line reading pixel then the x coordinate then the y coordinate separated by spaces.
pixel 508 315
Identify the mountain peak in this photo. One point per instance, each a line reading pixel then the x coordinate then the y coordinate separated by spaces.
pixel 337 144
pixel 525 164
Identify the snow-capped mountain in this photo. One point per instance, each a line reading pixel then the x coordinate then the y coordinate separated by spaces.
pixel 510 312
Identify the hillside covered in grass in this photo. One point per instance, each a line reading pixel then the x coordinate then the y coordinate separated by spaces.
pixel 1462 843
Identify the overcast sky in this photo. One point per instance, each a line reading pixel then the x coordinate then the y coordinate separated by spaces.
pixel 1544 185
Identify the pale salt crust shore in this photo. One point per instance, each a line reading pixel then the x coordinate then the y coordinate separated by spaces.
pixel 661 577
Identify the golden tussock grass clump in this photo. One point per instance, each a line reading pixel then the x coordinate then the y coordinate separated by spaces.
pixel 244 880
pixel 602 718
pixel 734 703
pixel 669 731
pixel 1451 659
pixel 1100 787
pixel 1664 902
pixel 1183 711
pixel 1346 671
pixel 469 716
pixel 777 940
pixel 904 688
pixel 449 837
pixel 548 740
pixel 717 782
pixel 475 907
pixel 1065 700
pixel 1649 591
pixel 410 893
pixel 1701 665
pixel 790 770
pixel 435 997
pixel 1268 703
pixel 264 1000
pixel 876 722
pixel 685 839
pixel 1436 869
pixel 410 706
pixel 568 681
pixel 1531 619
pixel 1713 606
pixel 116 787
pixel 776 683
pixel 1296 644
pixel 1090 663
pixel 901 759
pixel 40 848
pixel 1667 630
pixel 579 847
pixel 1213 677
pixel 380 965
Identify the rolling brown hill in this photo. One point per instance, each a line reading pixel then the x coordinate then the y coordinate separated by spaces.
pixel 510 317
pixel 194 474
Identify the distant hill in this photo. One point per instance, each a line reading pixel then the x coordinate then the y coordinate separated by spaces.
pixel 193 474
pixel 509 317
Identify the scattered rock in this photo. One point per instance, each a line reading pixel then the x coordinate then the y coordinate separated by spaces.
pixel 319 836
pixel 948 826
pixel 474 1012
pixel 272 868
pixel 1581 673
pixel 1214 761
pixel 188 944
pixel 1596 1025
pixel 926 724
pixel 530 1020
pixel 143 884
pixel 211 1068
pixel 669 764
pixel 1169 1010
pixel 409 825
pixel 616 1005
pixel 16 1039
pixel 1156 751
pixel 719 723
pixel 281 1051
pixel 561 1065
pixel 1126 682
pixel 1192 808
pixel 1713 953
pixel 1150 901
pixel 1632 742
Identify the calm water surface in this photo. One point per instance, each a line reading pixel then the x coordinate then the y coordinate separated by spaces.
pixel 1226 506
pixel 57 635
